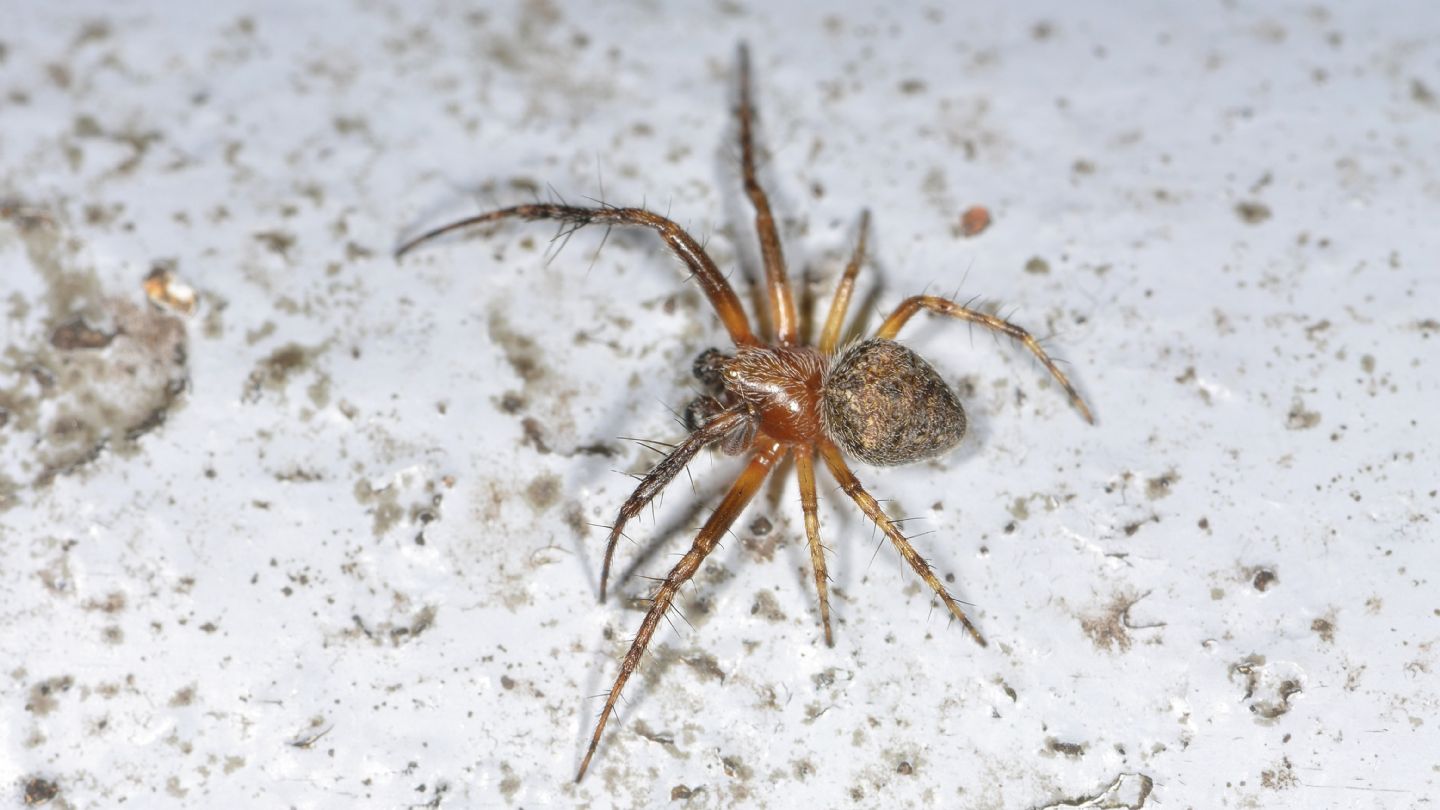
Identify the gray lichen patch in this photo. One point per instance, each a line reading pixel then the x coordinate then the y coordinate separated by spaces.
pixel 1268 687
pixel 1299 418
pixel 1110 627
pixel 274 372
pixel 1160 486
pixel 1128 791
pixel 543 491
pixel 44 695
pixel 1055 746
pixel 385 507
pixel 524 357
pixel 767 607
pixel 92 383
pixel 404 624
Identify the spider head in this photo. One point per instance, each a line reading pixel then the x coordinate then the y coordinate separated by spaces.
pixel 887 406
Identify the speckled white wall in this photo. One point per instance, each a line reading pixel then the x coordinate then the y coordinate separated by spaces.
pixel 323 539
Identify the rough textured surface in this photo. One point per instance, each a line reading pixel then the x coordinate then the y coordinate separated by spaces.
pixel 354 566
pixel 885 405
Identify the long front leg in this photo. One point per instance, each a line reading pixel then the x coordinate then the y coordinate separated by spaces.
pixel 945 306
pixel 851 486
pixel 782 302
pixel 730 508
pixel 660 477
pixel 717 289
pixel 805 470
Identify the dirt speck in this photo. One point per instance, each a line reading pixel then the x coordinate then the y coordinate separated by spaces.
pixel 762 545
pixel 184 696
pixel 1280 777
pixel 706 666
pixel 1160 486
pixel 1067 749
pixel 1325 629
pixel 543 491
pixel 39 790
pixel 113 602
pixel 1263 579
pixel 77 334
pixel 974 221
pixel 736 768
pixel 1421 93
pixel 767 607
pixel 520 350
pixel 43 695
pixel 1251 212
pixel 1268 687
pixel 274 371
pixel 1299 418
pixel 1037 266
pixel 397 630
pixel 383 505
pixel 277 242
pixel 509 782
pixel 1109 627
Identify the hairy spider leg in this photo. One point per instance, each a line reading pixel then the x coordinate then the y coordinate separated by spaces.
pixel 744 488
pixel 716 429
pixel 851 486
pixel 830 335
pixel 782 302
pixel 712 282
pixel 945 306
pixel 805 469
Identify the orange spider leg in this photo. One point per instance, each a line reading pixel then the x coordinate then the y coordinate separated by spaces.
pixel 662 474
pixel 944 306
pixel 851 486
pixel 725 514
pixel 805 468
pixel 782 303
pixel 830 335
pixel 682 244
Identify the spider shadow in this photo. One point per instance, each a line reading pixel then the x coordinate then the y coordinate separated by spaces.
pixel 605 466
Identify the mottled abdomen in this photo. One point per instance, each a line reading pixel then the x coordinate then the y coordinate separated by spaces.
pixel 887 406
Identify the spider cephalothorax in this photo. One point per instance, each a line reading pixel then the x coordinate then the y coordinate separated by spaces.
pixel 876 399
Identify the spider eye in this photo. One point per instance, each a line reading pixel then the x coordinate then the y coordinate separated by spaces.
pixel 887 406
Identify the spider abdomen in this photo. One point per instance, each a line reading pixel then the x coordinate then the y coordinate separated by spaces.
pixel 886 406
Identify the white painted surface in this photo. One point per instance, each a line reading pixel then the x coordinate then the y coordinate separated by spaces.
pixel 240 578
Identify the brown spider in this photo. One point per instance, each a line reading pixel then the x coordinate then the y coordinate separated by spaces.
pixel 876 399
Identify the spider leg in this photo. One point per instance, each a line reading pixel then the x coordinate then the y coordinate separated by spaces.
pixel 659 477
pixel 683 245
pixel 782 302
pixel 805 467
pixel 944 306
pixel 851 486
pixel 744 488
pixel 830 336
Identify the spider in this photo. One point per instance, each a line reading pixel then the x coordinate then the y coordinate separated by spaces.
pixel 773 396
